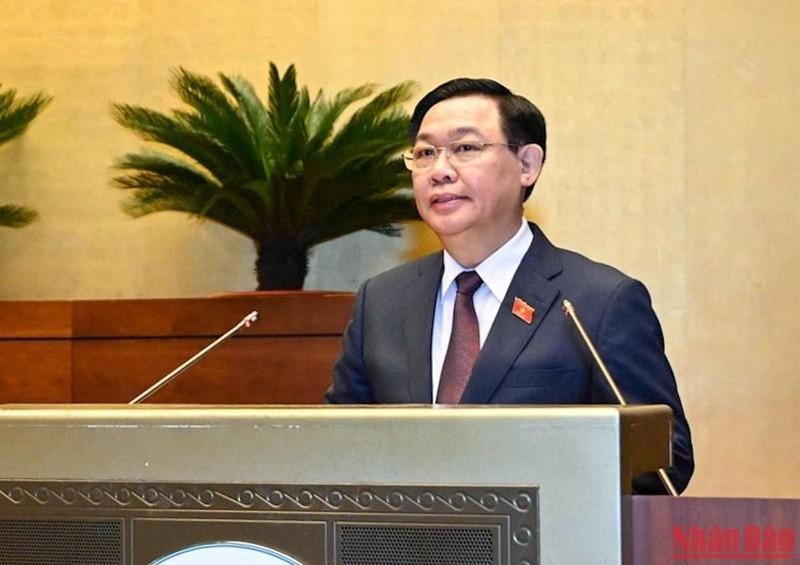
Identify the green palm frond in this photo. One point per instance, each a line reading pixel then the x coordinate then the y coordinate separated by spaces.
pixel 283 97
pixel 196 144
pixel 16 216
pixel 149 164
pixel 16 114
pixel 283 168
pixel 359 214
pixel 218 117
pixel 377 129
pixel 323 114
pixel 255 116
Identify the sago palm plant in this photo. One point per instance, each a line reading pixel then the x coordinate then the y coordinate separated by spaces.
pixel 285 173
pixel 15 115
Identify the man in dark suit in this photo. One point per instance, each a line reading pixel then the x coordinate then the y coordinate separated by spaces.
pixel 481 321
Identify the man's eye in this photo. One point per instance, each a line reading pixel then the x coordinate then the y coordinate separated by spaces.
pixel 424 152
pixel 466 148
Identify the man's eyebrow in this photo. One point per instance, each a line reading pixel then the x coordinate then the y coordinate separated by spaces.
pixel 452 134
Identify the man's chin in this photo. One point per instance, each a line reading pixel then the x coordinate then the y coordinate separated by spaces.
pixel 449 231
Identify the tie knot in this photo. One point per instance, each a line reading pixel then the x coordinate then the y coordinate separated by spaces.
pixel 468 282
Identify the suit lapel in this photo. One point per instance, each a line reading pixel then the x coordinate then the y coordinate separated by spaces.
pixel 419 307
pixel 509 333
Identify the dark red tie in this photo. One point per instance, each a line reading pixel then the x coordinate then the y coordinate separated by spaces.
pixel 465 343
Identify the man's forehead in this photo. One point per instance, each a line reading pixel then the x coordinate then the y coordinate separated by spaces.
pixel 460 116
pixel 453 133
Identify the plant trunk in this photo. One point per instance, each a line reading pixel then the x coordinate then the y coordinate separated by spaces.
pixel 281 265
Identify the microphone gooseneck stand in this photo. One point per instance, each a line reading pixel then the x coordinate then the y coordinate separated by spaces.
pixel 245 322
pixel 569 310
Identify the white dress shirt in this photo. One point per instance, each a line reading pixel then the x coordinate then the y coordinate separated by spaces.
pixel 496 271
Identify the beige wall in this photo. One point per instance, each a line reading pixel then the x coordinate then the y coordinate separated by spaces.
pixel 673 133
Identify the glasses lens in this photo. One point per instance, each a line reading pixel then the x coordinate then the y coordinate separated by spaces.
pixel 423 156
pixel 463 151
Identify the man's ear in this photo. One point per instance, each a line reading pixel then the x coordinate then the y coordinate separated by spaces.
pixel 531 157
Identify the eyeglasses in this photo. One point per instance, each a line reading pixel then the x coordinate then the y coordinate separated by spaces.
pixel 424 156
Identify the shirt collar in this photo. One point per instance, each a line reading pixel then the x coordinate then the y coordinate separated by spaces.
pixel 497 269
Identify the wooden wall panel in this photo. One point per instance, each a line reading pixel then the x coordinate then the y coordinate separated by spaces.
pixel 101 351
pixel 31 319
pixel 245 370
pixel 35 351
pixel 37 370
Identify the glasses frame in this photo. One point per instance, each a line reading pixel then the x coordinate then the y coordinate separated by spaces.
pixel 408 155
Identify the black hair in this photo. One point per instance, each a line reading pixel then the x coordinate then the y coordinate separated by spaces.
pixel 521 121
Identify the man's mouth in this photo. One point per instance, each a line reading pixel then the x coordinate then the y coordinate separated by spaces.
pixel 446 198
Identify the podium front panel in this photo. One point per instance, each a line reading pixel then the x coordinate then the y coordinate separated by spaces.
pixel 570 456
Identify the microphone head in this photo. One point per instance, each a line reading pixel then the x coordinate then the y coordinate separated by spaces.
pixel 251 318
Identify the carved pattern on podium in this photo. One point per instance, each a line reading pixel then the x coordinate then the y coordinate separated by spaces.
pixel 518 503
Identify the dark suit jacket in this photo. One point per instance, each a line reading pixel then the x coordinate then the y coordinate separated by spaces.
pixel 386 356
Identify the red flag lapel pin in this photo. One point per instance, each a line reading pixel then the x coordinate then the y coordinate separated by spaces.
pixel 523 310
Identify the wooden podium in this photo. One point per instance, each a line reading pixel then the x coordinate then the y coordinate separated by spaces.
pixel 326 484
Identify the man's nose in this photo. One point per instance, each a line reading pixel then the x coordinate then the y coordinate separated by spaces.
pixel 442 170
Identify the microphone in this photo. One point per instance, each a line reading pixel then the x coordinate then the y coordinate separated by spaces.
pixel 245 322
pixel 569 311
